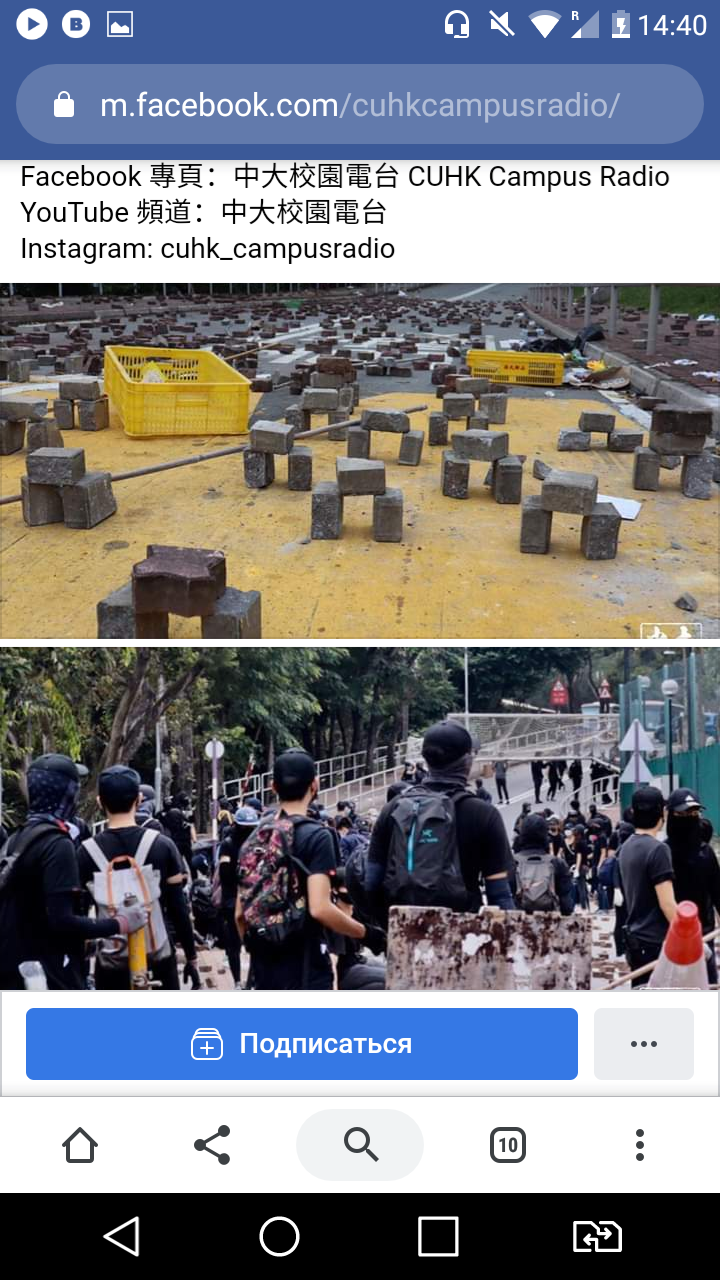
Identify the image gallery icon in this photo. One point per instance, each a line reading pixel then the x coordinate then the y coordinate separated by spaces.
pixel 120 23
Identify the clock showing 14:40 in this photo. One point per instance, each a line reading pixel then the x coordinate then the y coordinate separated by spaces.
pixel 686 26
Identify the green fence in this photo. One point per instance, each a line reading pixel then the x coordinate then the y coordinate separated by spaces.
pixel 699 770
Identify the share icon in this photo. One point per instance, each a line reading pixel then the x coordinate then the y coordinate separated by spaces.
pixel 203 1144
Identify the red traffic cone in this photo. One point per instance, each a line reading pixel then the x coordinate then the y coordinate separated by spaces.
pixel 682 962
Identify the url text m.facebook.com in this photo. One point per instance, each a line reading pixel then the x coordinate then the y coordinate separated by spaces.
pixel 485 109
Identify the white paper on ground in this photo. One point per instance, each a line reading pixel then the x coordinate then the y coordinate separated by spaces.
pixel 628 508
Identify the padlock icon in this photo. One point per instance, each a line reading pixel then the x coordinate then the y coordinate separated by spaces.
pixel 64 105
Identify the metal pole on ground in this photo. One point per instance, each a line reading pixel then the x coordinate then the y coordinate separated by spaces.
pixel 613 316
pixel 653 318
pixel 588 303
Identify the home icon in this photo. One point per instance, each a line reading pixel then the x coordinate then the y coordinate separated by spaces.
pixel 79 1148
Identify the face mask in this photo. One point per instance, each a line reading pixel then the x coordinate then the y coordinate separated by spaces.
pixel 684 834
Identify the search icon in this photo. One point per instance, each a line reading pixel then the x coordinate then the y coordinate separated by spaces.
pixel 358 1151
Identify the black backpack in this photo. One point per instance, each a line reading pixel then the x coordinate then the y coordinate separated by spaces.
pixel 423 866
pixel 18 844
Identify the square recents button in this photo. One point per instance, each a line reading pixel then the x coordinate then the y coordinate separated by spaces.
pixel 438 1237
pixel 644 1044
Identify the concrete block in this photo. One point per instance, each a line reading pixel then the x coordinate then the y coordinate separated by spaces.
pixel 56 466
pixel 63 412
pixel 358 442
pixel 319 399
pixel 94 415
pixel 681 422
pixel 359 476
pixel 411 447
pixel 43 435
pixel 494 406
pixel 271 437
pixel 669 461
pixel 16 409
pixel 12 437
pixel 696 476
pixel 385 420
pixel 295 417
pixel 388 516
pixel 237 616
pixel 346 399
pixel 602 422
pixel 182 580
pixel 571 492
pixel 487 950
pixel 41 503
pixel 456 407
pixel 507 480
pixel 337 432
pixel 80 388
pixel 715 464
pixel 454 475
pixel 480 446
pixel 152 626
pixel 541 469
pixel 88 502
pixel 572 441
pixel 258 469
pixel 116 615
pixel 327 511
pixel 625 440
pixel 19 370
pixel 535 527
pixel 599 532
pixel 300 468
pixel 472 386
pixel 668 442
pixel 437 429
pixel 332 380
pixel 646 469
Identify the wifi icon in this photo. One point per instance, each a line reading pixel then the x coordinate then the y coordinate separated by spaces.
pixel 545 20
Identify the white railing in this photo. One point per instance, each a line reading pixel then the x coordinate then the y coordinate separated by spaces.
pixel 334 773
pixel 524 736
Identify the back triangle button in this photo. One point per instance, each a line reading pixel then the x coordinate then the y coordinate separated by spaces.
pixel 126 1237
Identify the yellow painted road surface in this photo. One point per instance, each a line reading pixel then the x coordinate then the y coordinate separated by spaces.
pixel 458 574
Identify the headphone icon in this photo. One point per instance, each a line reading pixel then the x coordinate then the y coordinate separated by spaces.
pixel 464 31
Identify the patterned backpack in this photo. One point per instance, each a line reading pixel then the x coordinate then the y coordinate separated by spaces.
pixel 271 892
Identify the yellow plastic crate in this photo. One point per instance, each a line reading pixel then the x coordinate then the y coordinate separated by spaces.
pixel 518 368
pixel 161 392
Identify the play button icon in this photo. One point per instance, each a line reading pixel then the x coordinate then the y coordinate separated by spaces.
pixel 32 24
pixel 126 1237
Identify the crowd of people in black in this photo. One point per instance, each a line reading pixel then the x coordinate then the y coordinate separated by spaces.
pixel 304 893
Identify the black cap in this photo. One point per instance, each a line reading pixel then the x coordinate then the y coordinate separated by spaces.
pixel 293 773
pixel 146 791
pixel 683 800
pixel 445 743
pixel 119 787
pixel 53 762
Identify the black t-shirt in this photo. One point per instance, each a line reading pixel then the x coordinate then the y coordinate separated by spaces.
pixel 38 919
pixel 124 841
pixel 482 841
pixel 644 863
pixel 305 963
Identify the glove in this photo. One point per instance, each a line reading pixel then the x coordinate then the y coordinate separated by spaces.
pixel 131 919
pixel 190 974
pixel 375 939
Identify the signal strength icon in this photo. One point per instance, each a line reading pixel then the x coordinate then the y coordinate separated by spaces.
pixel 591 29
pixel 545 20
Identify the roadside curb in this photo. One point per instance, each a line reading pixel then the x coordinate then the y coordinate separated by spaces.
pixel 646 381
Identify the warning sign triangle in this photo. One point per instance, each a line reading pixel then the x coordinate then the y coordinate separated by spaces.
pixel 636 738
pixel 636 770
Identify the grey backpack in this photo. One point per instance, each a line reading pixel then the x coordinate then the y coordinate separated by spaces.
pixel 535 883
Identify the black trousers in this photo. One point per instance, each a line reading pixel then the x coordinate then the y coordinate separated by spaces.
pixel 502 791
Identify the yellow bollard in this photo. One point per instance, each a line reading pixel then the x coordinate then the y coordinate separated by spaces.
pixel 137 952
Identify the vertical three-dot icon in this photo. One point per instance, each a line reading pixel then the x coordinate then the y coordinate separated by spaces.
pixel 640 1145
